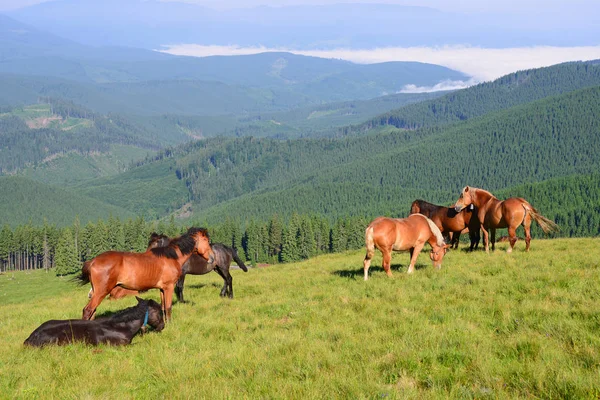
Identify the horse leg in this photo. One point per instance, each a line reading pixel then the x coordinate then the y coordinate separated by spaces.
pixel 493 231
pixel 162 303
pixel 367 262
pixel 527 226
pixel 179 288
pixel 387 262
pixel 512 236
pixel 455 240
pixel 414 254
pixel 486 241
pixel 89 310
pixel 225 282
pixel 229 282
pixel 167 294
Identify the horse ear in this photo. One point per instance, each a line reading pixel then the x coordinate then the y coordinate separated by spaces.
pixel 466 189
pixel 139 299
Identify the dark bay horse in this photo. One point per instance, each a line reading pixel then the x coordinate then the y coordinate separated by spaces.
pixel 157 268
pixel 199 266
pixel 510 213
pixel 450 222
pixel 396 234
pixel 117 329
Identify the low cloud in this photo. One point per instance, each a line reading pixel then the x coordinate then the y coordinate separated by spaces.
pixel 482 64
pixel 443 85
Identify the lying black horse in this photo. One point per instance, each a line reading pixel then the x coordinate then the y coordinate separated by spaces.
pixel 117 329
pixel 197 265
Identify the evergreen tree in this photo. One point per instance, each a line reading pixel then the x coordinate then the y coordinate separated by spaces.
pixel 67 259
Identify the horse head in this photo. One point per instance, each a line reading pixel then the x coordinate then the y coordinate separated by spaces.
pixel 158 240
pixel 155 315
pixel 465 199
pixel 437 254
pixel 202 245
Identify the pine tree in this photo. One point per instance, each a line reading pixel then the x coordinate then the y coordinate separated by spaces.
pixel 66 260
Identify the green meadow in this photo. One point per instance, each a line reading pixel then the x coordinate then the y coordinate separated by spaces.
pixel 521 325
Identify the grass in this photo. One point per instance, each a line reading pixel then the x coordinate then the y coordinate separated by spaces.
pixel 521 325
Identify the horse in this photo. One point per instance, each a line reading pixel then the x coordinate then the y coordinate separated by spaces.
pixel 409 233
pixel 510 213
pixel 156 240
pixel 451 222
pixel 199 266
pixel 157 268
pixel 118 329
pixel 196 265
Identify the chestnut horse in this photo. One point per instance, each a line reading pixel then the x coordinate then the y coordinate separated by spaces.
pixel 158 268
pixel 410 233
pixel 156 240
pixel 117 329
pixel 510 213
pixel 450 222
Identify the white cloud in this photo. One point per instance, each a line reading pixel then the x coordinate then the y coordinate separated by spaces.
pixel 443 85
pixel 482 64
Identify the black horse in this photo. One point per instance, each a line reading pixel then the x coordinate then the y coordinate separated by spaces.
pixel 197 265
pixel 117 329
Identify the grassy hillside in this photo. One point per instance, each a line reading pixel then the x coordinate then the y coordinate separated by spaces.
pixel 25 200
pixel 510 90
pixel 484 326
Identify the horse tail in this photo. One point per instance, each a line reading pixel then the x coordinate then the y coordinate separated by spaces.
pixel 436 232
pixel 238 260
pixel 369 243
pixel 546 224
pixel 84 277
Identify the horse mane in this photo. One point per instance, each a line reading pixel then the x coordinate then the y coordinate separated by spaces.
pixel 482 191
pixel 426 207
pixel 435 230
pixel 185 243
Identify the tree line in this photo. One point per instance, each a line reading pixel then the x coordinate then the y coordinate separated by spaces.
pixel 276 240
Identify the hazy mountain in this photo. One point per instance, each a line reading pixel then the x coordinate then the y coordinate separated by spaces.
pixel 150 24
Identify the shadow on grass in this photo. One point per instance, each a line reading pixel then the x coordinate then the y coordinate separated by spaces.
pixel 354 273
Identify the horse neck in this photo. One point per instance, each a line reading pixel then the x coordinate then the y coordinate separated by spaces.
pixel 132 326
pixel 482 197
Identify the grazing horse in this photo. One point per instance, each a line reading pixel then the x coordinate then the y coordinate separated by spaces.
pixel 117 329
pixel 396 234
pixel 199 266
pixel 450 222
pixel 510 213
pixel 158 268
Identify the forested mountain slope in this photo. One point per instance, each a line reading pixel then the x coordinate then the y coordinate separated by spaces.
pixel 32 135
pixel 24 200
pixel 508 91
pixel 550 138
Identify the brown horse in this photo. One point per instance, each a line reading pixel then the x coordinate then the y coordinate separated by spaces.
pixel 156 240
pixel 510 213
pixel 450 222
pixel 410 233
pixel 158 268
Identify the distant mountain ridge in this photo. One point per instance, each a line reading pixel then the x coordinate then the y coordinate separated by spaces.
pixel 150 24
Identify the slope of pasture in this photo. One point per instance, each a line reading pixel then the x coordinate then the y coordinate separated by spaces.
pixel 484 326
pixel 24 200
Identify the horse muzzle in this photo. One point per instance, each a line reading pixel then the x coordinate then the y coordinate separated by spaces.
pixel 459 208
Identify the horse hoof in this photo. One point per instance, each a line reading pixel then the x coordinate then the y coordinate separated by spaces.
pixel 509 250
